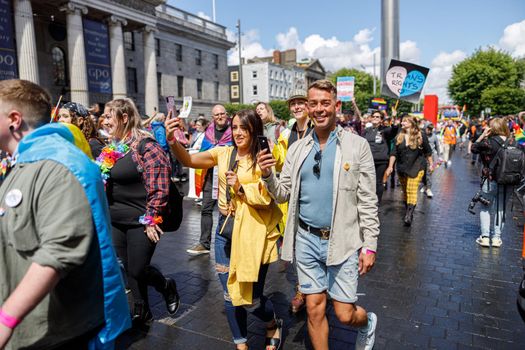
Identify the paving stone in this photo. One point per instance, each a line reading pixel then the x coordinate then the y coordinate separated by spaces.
pixel 432 287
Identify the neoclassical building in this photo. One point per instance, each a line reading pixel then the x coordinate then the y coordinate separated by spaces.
pixel 94 50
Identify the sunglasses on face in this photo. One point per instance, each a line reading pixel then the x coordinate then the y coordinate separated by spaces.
pixel 317 165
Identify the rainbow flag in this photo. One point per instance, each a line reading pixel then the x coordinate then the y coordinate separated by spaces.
pixel 518 135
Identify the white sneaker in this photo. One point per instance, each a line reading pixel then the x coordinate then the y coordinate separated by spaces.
pixel 366 336
pixel 497 242
pixel 483 241
pixel 423 189
pixel 429 193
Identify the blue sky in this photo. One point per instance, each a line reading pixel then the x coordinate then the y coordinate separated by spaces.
pixel 433 33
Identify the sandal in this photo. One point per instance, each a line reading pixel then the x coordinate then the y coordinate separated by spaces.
pixel 274 343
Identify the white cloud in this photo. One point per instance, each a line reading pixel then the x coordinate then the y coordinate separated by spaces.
pixel 440 72
pixel 513 39
pixel 332 52
pixel 251 47
pixel 408 51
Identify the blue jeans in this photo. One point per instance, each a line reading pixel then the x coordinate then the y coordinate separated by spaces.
pixel 494 210
pixel 237 316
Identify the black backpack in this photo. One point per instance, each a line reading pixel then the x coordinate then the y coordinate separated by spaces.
pixel 172 217
pixel 507 166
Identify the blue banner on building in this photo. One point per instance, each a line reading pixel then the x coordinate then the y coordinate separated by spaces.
pixel 98 61
pixel 8 66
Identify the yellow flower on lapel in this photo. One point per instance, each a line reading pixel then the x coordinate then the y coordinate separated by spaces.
pixel 346 166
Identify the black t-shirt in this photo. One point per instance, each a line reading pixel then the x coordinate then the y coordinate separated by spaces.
pixel 411 161
pixel 126 192
pixel 219 133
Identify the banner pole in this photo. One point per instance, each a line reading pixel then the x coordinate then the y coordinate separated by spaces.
pixel 55 111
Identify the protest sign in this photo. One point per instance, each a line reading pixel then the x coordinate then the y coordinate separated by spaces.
pixel 186 107
pixel 345 88
pixel 404 81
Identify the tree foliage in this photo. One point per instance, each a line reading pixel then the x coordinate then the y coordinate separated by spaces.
pixel 503 100
pixel 280 109
pixel 491 70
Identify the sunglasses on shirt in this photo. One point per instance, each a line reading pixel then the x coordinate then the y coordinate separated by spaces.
pixel 317 165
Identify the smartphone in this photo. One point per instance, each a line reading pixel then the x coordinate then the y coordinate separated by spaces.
pixel 263 143
pixel 170 105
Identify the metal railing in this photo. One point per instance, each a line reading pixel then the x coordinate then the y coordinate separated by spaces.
pixel 191 21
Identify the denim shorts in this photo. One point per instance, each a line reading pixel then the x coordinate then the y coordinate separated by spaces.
pixel 340 281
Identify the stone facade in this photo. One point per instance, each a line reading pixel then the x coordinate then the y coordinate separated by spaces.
pixel 157 28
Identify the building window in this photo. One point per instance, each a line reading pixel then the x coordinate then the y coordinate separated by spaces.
pixel 254 74
pixel 180 86
pixel 159 83
pixel 59 66
pixel 198 57
pixel 132 80
pixel 254 90
pixel 216 91
pixel 235 91
pixel 216 61
pixel 129 41
pixel 178 52
pixel 199 89
pixel 157 47
pixel 234 76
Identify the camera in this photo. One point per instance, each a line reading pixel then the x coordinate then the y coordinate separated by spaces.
pixel 478 197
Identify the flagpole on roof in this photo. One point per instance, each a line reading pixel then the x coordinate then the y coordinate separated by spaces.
pixel 213 10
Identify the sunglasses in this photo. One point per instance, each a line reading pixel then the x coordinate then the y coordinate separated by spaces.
pixel 317 165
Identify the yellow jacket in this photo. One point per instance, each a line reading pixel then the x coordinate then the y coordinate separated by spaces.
pixel 253 241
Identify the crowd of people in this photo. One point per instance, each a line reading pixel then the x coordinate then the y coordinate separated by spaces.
pixel 88 196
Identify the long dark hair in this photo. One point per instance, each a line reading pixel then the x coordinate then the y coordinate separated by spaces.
pixel 251 121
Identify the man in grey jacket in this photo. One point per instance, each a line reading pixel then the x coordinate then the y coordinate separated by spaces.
pixel 329 180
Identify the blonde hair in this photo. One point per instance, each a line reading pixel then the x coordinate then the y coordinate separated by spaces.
pixel 499 126
pixel 132 130
pixel 29 98
pixel 415 139
pixel 271 115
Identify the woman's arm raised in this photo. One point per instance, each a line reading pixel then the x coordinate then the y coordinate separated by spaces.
pixel 201 160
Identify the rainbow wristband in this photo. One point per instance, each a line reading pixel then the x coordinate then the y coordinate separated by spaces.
pixel 8 321
pixel 150 220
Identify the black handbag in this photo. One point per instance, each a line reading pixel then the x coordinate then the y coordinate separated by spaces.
pixel 227 226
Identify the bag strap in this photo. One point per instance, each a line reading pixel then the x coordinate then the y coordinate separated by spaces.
pixel 502 147
pixel 230 168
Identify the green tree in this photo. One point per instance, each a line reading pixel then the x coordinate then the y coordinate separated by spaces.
pixel 503 100
pixel 280 109
pixel 484 70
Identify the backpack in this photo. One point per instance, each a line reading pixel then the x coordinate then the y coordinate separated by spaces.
pixel 172 217
pixel 508 164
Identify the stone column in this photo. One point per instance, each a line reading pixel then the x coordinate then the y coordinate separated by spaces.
pixel 151 93
pixel 25 41
pixel 118 65
pixel 76 52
